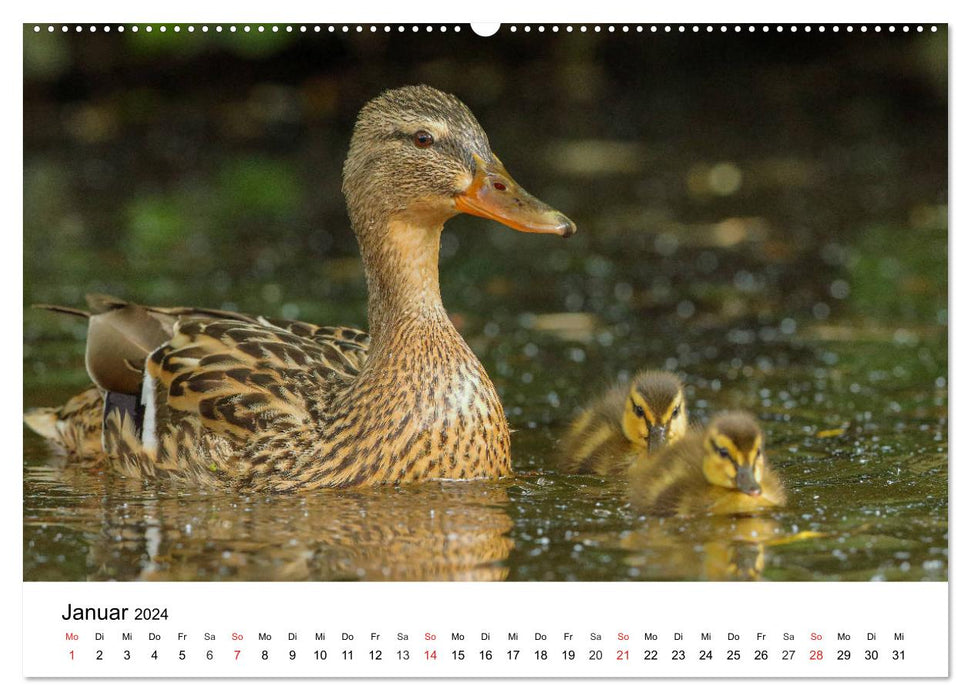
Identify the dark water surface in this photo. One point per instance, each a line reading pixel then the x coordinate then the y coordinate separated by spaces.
pixel 786 254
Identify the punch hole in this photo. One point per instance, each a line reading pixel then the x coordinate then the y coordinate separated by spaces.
pixel 485 28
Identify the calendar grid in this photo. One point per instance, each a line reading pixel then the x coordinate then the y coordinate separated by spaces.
pixel 440 630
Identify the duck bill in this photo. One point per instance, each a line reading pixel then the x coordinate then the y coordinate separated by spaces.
pixel 745 481
pixel 656 438
pixel 493 194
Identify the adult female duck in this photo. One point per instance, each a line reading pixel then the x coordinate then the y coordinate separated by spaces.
pixel 245 402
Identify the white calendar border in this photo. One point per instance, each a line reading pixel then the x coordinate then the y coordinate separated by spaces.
pixel 508 10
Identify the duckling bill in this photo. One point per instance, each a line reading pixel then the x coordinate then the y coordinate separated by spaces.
pixel 720 470
pixel 629 420
pixel 251 403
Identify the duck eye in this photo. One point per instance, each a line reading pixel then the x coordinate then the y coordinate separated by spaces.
pixel 423 139
pixel 675 412
pixel 638 411
pixel 723 453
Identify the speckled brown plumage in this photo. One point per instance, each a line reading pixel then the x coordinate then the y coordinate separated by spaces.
pixel 257 408
pixel 75 427
pixel 249 403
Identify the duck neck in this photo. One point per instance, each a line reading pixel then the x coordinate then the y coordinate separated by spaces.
pixel 401 265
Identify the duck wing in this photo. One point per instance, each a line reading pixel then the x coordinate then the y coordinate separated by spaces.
pixel 233 373
pixel 352 343
pixel 241 378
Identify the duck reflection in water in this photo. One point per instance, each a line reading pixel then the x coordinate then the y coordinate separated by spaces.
pixel 429 532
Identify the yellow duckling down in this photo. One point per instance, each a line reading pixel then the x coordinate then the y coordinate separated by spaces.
pixel 720 470
pixel 629 420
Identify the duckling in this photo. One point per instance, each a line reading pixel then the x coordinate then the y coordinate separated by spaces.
pixel 630 419
pixel 244 402
pixel 720 470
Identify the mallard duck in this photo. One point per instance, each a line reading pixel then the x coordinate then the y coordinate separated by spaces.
pixel 246 402
pixel 630 419
pixel 720 470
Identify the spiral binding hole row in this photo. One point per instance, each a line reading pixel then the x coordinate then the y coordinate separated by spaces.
pixel 414 28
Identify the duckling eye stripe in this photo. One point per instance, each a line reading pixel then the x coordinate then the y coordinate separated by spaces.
pixel 718 449
pixel 645 412
pixel 674 409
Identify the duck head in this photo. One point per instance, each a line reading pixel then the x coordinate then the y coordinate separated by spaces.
pixel 419 156
pixel 655 414
pixel 734 458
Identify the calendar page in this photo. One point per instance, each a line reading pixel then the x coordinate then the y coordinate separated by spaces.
pixel 306 395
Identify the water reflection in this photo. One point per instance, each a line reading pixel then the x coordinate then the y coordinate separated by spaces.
pixel 142 532
pixel 707 549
